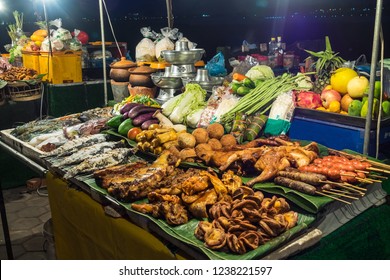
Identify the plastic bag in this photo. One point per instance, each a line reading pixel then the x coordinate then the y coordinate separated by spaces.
pixel 74 43
pixel 216 65
pixel 60 33
pixel 165 43
pixel 145 49
pixel 221 101
pixel 180 38
pixel 280 115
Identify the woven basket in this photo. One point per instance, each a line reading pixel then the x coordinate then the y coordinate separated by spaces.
pixel 22 91
pixel 3 96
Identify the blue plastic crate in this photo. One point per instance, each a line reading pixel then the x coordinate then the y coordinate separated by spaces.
pixel 336 131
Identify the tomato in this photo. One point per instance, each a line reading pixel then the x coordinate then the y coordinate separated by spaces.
pixel 133 132
pixel 154 126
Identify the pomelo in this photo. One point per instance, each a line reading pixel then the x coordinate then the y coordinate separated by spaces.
pixel 340 78
pixel 357 86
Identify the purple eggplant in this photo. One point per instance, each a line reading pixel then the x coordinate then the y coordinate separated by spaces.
pixel 145 125
pixel 128 106
pixel 134 112
pixel 137 121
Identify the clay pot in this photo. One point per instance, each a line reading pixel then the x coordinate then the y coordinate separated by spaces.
pixel 140 76
pixel 120 70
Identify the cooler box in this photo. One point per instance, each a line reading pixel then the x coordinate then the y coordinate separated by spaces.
pixel 61 67
pixel 338 131
pixel 31 60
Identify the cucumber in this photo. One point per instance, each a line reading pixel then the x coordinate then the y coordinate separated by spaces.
pixel 125 126
pixel 243 90
pixel 115 121
pixel 249 83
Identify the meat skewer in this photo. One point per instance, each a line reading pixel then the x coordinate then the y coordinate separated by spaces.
pixel 359 158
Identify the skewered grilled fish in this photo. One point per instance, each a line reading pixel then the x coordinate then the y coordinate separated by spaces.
pixel 88 152
pixel 74 145
pixel 111 158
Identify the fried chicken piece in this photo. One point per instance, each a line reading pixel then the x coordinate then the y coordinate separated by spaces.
pixel 231 181
pixel 195 184
pixel 199 207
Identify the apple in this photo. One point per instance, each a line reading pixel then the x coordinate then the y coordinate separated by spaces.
pixel 328 96
pixel 357 86
pixel 345 101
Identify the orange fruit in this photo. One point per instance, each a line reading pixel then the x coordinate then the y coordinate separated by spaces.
pixel 340 78
pixel 334 106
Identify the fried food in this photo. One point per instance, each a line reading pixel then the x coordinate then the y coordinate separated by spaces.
pixel 216 130
pixel 215 144
pixel 201 135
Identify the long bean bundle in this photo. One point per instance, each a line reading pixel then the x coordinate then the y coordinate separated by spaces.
pixel 260 99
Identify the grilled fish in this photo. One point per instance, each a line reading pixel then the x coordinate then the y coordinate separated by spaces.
pixel 111 158
pixel 74 145
pixel 88 152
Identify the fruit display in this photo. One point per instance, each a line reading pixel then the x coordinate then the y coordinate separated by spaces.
pixel 341 89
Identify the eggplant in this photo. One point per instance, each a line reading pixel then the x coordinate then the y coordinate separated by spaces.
pixel 125 115
pixel 137 121
pixel 134 112
pixel 145 125
pixel 125 108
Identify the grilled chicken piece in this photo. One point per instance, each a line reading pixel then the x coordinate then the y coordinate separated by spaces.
pixel 199 207
pixel 247 155
pixel 139 183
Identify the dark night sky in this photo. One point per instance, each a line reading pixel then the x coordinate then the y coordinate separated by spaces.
pixel 225 22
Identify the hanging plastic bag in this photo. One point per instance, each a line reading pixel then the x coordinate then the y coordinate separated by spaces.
pixel 216 65
pixel 165 43
pixel 145 49
pixel 74 43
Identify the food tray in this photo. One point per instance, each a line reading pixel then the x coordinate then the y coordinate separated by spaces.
pixel 21 147
pixel 336 118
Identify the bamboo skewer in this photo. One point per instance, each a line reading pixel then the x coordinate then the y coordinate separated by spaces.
pixel 364 180
pixel 378 170
pixel 335 198
pixel 353 186
pixel 342 185
pixel 362 171
pixel 378 176
pixel 343 191
pixel 340 194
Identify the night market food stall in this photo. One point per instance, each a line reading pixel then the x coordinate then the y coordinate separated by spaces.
pixel 207 174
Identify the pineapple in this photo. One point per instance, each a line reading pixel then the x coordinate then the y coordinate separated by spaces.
pixel 327 62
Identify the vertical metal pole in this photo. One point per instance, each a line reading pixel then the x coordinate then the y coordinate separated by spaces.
pixel 169 13
pixel 4 221
pixel 103 51
pixel 374 58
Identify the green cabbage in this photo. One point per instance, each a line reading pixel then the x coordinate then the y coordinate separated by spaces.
pixel 192 98
pixel 260 72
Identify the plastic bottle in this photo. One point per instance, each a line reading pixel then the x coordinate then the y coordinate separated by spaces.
pixel 279 52
pixel 272 46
